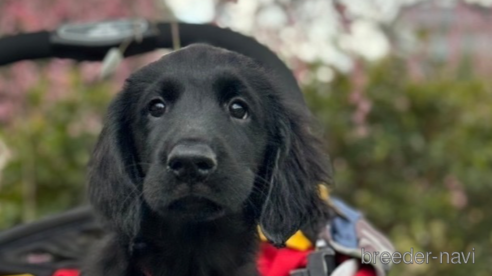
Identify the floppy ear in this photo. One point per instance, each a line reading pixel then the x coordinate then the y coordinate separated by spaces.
pixel 297 166
pixel 113 172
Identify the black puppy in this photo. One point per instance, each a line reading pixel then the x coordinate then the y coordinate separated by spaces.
pixel 197 151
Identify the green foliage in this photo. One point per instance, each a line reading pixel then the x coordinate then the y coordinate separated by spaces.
pixel 422 173
pixel 50 143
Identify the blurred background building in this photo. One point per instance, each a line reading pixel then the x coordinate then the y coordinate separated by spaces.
pixel 400 88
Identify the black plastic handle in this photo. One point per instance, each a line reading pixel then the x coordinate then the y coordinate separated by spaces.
pixel 79 46
pixel 25 46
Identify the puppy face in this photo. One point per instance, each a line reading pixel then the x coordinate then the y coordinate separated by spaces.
pixel 200 132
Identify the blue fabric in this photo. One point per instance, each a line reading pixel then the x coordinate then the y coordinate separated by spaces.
pixel 343 229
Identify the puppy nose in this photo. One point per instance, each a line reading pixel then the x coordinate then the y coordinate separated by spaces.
pixel 191 162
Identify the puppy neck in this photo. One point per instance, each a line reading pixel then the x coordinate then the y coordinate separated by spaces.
pixel 225 246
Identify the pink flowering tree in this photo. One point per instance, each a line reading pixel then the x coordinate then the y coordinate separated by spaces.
pixel 50 111
pixel 400 87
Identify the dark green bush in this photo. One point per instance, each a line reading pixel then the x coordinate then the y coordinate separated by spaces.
pixel 421 173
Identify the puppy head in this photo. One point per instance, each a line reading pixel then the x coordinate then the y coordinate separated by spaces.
pixel 202 133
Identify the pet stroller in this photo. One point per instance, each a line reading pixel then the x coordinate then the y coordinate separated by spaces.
pixel 56 245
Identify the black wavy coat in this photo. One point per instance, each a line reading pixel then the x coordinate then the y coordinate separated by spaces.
pixel 197 150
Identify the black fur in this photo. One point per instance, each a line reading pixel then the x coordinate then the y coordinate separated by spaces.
pixel 268 167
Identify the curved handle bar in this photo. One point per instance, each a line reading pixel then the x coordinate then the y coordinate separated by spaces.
pixel 65 42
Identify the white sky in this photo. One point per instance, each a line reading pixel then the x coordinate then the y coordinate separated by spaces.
pixel 320 38
pixel 193 11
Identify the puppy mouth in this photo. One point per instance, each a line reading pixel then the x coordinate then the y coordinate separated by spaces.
pixel 196 208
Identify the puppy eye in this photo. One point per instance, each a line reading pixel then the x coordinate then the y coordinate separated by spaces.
pixel 157 108
pixel 238 109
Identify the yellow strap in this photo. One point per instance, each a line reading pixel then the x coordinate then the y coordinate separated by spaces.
pixel 324 192
pixel 20 275
pixel 298 241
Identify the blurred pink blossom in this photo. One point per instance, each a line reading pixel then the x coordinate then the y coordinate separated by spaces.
pixel 7 109
pixel 90 71
pixel 24 75
pixel 458 196
pixel 59 79
pixel 362 104
pixel 29 16
pixel 361 131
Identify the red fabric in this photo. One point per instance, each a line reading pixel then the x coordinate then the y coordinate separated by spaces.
pixel 279 262
pixel 366 270
pixel 272 261
pixel 66 272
